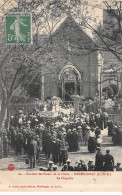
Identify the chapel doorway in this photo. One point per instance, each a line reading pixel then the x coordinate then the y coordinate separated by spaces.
pixel 69 90
pixel 69 82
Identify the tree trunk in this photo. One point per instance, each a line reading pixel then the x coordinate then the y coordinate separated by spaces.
pixel 2 115
pixel 8 116
pixel 3 112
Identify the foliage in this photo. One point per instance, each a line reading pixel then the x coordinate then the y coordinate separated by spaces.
pixel 33 90
pixel 16 99
pixel 115 89
pixel 19 65
pixel 109 91
pixel 108 35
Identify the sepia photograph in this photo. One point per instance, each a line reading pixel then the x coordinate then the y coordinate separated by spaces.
pixel 61 87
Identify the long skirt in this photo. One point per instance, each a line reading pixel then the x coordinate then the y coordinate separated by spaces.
pixel 91 145
pixel 63 156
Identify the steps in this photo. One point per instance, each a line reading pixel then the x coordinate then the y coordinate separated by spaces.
pixel 104 132
pixel 107 141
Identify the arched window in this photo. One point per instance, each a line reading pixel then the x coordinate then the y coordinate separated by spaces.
pixel 69 78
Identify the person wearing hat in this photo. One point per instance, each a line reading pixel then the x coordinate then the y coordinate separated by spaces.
pixel 19 143
pixel 118 132
pixel 41 168
pixel 64 168
pixel 44 133
pixel 63 153
pixel 28 125
pixel 118 167
pixel 60 135
pixel 92 142
pixel 99 158
pixel 47 144
pixel 80 135
pixel 103 120
pixel 74 140
pixel 97 132
pixel 108 161
pixel 69 167
pixel 92 122
pixel 91 167
pixel 39 131
pixel 38 147
pixel 83 130
pixel 52 124
pixel 110 127
pixel 33 122
pixel 86 134
pixel 55 168
pixel 50 164
pixel 14 121
pixel 97 119
pixel 69 139
pixel 32 151
pixel 99 141
pixel 83 164
pixel 56 151
pixel 78 166
pixel 105 114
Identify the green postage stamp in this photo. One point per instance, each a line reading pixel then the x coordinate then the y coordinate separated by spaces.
pixel 18 28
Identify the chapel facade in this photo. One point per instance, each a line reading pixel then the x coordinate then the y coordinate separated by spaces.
pixel 76 67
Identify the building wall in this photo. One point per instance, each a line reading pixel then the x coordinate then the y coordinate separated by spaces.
pixel 88 68
pixel 78 49
pixel 110 61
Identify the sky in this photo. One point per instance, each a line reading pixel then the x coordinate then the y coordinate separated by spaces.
pixel 97 13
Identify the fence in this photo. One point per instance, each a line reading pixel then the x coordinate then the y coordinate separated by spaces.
pixel 25 107
pixel 68 102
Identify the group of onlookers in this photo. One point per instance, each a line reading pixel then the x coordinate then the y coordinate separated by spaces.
pixel 32 134
pixel 102 163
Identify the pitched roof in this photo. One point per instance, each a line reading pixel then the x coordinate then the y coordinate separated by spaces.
pixel 71 31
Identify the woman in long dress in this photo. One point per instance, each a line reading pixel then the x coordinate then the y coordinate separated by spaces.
pixel 92 142
pixel 86 134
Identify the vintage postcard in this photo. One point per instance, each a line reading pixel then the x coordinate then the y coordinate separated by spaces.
pixel 60 96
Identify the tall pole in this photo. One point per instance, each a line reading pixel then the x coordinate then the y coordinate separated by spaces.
pixel 42 84
pixel 100 64
pixel 100 86
pixel 89 76
pixel 100 91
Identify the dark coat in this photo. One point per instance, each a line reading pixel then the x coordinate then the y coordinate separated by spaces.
pixel 91 145
pixel 32 149
pixel 109 162
pixel 99 161
pixel 70 168
pixel 78 168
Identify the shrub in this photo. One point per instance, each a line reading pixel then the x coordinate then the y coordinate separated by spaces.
pixel 115 89
pixel 109 91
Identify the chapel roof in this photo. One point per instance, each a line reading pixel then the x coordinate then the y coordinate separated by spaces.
pixel 70 30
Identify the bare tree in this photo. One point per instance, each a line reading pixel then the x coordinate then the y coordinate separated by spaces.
pixel 20 64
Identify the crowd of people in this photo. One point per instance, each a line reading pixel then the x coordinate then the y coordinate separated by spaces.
pixel 114 130
pixel 102 163
pixel 32 134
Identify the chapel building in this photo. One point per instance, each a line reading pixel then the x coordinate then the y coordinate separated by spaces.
pixel 74 64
